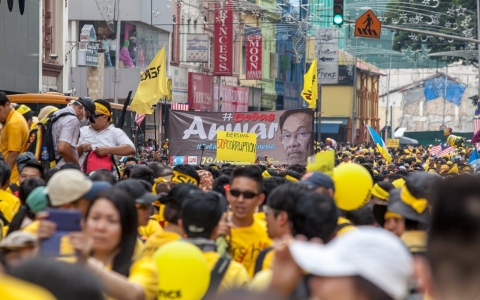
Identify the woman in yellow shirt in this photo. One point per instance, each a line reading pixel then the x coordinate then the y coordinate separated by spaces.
pixel 107 245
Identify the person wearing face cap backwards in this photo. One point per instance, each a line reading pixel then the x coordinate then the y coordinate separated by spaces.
pixel 101 137
pixel 66 129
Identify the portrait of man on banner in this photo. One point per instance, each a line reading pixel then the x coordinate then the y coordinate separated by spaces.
pixel 296 135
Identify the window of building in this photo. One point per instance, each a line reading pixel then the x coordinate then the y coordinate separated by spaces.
pixel 138 43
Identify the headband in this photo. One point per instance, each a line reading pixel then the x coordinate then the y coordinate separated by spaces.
pixel 390 214
pixel 102 109
pixel 183 178
pixel 380 193
pixel 291 178
pixel 265 174
pixel 418 204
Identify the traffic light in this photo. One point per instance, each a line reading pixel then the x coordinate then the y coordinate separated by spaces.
pixel 337 12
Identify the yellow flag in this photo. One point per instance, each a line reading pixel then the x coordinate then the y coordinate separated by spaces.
pixel 310 85
pixel 153 84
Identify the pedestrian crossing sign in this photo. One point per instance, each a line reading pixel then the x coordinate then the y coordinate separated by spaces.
pixel 368 25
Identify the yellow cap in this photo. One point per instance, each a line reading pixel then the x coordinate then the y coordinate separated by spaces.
pixel 444 168
pixel 23 109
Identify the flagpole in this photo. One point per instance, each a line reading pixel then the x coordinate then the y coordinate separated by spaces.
pixel 117 56
pixel 319 113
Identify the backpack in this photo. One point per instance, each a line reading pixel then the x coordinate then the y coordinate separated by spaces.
pixel 42 136
pixel 260 259
pixel 93 162
pixel 216 276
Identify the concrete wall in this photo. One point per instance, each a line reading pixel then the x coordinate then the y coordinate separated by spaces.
pixel 424 116
pixel 130 77
pixel 20 66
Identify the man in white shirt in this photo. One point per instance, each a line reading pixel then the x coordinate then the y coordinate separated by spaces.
pixel 102 137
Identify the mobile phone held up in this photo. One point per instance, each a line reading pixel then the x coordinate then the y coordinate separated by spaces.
pixel 67 221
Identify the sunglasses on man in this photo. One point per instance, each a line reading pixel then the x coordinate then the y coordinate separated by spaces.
pixel 246 194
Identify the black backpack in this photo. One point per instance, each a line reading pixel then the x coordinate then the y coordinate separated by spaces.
pixel 42 136
pixel 216 276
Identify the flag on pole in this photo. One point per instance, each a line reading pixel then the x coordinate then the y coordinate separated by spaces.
pixel 310 85
pixel 381 146
pixel 153 84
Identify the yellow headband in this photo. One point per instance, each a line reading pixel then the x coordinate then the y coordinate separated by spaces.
pixel 291 178
pixel 183 178
pixel 265 174
pixel 418 204
pixel 102 109
pixel 380 193
pixel 390 214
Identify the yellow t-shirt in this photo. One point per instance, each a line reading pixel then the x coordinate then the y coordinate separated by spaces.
pixel 268 259
pixel 158 240
pixel 150 229
pixel 12 201
pixel 144 273
pixel 247 242
pixel 6 210
pixel 138 251
pixel 261 281
pixel 235 277
pixel 344 226
pixel 9 189
pixel 415 240
pixel 16 289
pixel 261 217
pixel 14 138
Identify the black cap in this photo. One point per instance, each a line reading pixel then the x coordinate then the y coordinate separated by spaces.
pixel 212 206
pixel 89 106
pixel 178 194
pixel 138 189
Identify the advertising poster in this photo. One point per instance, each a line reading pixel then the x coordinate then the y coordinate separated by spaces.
pixel 285 136
pixel 197 47
pixel 253 58
pixel 223 38
pixel 200 91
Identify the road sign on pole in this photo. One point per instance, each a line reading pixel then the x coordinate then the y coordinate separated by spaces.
pixel 368 26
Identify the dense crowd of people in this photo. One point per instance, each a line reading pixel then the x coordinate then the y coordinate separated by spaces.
pixel 138 228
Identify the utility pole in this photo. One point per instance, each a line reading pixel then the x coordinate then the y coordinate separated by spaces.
pixel 388 92
pixel 116 76
pixel 354 100
pixel 478 46
pixel 445 95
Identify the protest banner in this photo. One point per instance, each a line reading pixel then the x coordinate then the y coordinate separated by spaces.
pixel 393 143
pixel 236 146
pixel 285 136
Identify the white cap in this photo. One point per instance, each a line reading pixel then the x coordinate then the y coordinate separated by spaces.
pixel 371 253
pixel 67 186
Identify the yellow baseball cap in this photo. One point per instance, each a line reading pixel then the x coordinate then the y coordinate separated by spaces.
pixel 23 109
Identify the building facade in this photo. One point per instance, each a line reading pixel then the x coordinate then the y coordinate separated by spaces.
pixel 142 33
